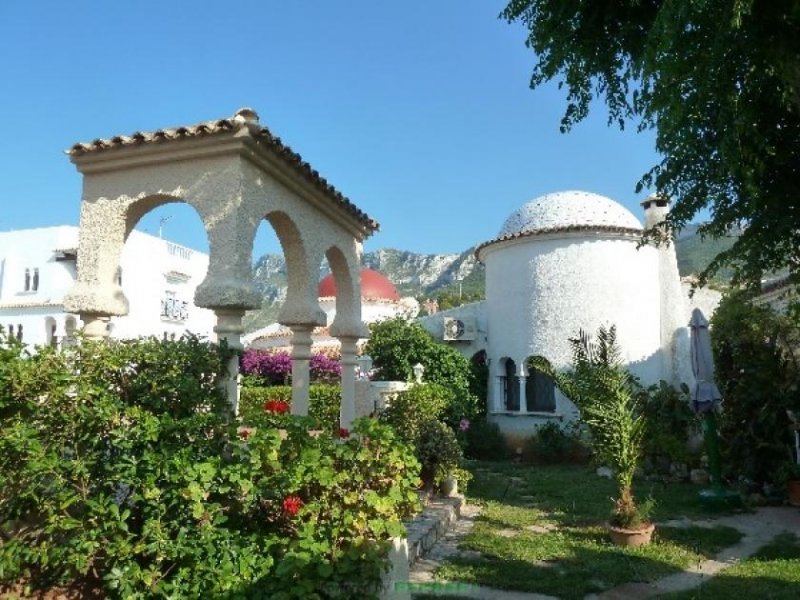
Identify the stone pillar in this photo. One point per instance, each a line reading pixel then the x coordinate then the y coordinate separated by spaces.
pixel 95 326
pixel 301 357
pixel 348 408
pixel 523 400
pixel 229 328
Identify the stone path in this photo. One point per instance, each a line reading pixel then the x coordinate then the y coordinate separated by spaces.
pixel 758 528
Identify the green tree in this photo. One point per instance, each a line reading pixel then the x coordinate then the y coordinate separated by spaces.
pixel 757 372
pixel 396 345
pixel 719 80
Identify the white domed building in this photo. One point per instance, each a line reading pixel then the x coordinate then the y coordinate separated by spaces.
pixel 562 263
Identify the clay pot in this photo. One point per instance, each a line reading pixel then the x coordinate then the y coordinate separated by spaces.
pixel 793 487
pixel 631 537
pixel 450 486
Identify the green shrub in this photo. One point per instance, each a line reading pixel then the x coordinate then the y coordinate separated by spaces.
pixel 324 403
pixel 486 442
pixel 757 372
pixel 409 410
pixel 551 444
pixel 438 452
pixel 670 423
pixel 122 469
pixel 396 345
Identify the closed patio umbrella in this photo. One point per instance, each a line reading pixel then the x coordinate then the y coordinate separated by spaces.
pixel 706 398
pixel 705 395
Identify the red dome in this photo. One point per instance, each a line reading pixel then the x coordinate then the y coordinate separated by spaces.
pixel 374 286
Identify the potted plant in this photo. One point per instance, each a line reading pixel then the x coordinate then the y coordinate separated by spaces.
pixel 440 455
pixel 610 401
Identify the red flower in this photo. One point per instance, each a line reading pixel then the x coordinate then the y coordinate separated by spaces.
pixel 292 505
pixel 276 406
pixel 245 432
pixel 344 433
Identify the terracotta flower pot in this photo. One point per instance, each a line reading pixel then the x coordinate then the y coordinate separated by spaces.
pixel 793 487
pixel 631 537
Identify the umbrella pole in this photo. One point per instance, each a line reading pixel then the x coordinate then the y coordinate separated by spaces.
pixel 716 496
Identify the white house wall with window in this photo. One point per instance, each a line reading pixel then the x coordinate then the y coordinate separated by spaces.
pixel 37 268
pixel 562 263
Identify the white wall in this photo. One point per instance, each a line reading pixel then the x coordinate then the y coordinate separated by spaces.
pixel 541 291
pixel 150 267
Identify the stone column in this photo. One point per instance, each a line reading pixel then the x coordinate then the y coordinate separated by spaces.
pixel 523 401
pixel 229 328
pixel 95 326
pixel 301 357
pixel 348 408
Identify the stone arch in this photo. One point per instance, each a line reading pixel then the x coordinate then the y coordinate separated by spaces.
pixel 235 173
pixel 301 306
pixel 346 274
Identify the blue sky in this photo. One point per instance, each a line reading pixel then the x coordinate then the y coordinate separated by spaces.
pixel 418 111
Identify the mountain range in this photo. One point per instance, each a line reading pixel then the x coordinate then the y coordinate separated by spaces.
pixel 449 277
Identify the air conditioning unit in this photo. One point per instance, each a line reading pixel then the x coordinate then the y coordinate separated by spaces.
pixel 459 329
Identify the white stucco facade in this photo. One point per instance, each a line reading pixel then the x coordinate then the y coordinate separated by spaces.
pixel 563 263
pixel 38 268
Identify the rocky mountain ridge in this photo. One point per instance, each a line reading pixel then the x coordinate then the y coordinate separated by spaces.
pixel 432 275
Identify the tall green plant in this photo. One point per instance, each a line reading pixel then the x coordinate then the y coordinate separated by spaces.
pixel 610 404
pixel 757 370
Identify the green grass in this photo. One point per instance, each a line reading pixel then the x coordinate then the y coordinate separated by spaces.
pixel 773 573
pixel 575 558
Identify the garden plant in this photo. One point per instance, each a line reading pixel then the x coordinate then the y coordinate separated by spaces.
pixel 123 473
pixel 609 400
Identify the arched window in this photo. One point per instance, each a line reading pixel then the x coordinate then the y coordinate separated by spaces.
pixel 540 392
pixel 27 287
pixel 35 279
pixel 511 386
pixel 19 332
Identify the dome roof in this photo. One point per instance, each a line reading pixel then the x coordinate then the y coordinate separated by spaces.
pixel 374 286
pixel 568 210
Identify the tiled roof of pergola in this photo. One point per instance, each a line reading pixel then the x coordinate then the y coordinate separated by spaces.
pixel 244 118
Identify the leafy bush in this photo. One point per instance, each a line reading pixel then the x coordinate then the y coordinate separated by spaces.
pixel 757 371
pixel 671 421
pixel 486 442
pixel 324 403
pixel 396 345
pixel 274 367
pixel 409 410
pixel 552 444
pixel 122 469
pixel 439 453
pixel 415 416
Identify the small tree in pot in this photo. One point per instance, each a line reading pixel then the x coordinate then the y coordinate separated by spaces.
pixel 610 401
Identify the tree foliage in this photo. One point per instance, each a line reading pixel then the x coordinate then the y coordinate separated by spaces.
pixel 757 371
pixel 719 80
pixel 396 345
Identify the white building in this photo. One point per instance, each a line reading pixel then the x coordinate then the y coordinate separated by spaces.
pixel 562 263
pixel 37 268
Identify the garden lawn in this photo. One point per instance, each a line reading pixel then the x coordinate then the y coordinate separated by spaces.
pixel 772 573
pixel 541 530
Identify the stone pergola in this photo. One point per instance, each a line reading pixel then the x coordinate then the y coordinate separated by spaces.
pixel 234 172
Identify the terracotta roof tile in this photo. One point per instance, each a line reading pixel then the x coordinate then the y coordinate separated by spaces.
pixel 244 118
